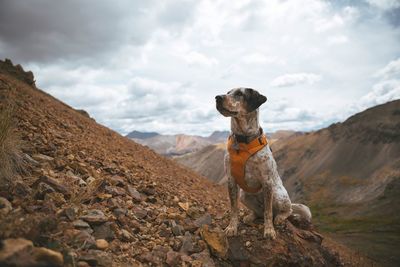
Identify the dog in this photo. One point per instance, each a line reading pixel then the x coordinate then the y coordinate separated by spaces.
pixel 262 191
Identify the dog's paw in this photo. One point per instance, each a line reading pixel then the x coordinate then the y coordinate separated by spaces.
pixel 231 230
pixel 269 232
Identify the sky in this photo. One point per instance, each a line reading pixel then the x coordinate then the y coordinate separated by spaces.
pixel 157 65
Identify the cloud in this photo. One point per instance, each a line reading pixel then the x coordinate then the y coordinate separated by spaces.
pixel 382 92
pixel 384 4
pixel 293 79
pixel 196 58
pixel 157 65
pixel 390 70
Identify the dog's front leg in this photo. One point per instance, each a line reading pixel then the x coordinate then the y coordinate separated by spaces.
pixel 233 190
pixel 269 230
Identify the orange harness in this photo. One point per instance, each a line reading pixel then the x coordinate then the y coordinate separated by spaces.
pixel 239 153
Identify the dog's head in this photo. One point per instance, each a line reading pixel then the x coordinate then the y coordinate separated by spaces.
pixel 239 101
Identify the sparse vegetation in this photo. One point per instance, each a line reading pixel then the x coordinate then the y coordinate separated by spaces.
pixel 10 158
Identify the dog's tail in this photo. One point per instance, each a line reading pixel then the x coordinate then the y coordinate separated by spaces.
pixel 301 216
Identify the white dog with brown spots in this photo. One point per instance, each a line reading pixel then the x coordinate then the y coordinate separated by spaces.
pixel 251 165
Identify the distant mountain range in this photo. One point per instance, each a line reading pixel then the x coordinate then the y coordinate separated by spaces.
pixel 179 144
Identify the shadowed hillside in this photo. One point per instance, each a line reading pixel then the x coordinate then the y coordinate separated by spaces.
pixel 91 197
pixel 350 174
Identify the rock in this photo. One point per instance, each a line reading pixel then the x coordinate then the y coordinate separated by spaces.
pixel 54 184
pixel 151 199
pixel 21 189
pixel 125 235
pixel 94 217
pixel 48 256
pixel 115 190
pixel 173 258
pixel 11 249
pixel 139 213
pixel 104 231
pixel 21 252
pixel 117 180
pixel 203 220
pixel 5 206
pixel 248 244
pixel 204 259
pixel 119 211
pixel 41 157
pixel 70 213
pixel 79 224
pixel 216 241
pixel 79 238
pixel 136 196
pixel 96 258
pixel 176 229
pixel 184 205
pixel 187 244
pixel 101 244
pixel 149 190
pixel 43 189
pixel 30 160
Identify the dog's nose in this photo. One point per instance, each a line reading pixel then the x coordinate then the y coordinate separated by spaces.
pixel 219 98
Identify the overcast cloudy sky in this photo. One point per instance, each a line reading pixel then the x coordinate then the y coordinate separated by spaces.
pixel 157 65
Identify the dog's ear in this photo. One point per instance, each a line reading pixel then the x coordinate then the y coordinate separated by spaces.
pixel 253 99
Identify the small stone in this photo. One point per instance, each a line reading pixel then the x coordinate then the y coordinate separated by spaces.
pixel 136 196
pixel 5 206
pixel 151 199
pixel 101 244
pixel 248 244
pixel 139 213
pixel 11 248
pixel 176 228
pixel 173 258
pixel 115 191
pixel 79 224
pixel 54 184
pixel 70 213
pixel 42 190
pixel 41 157
pixel 104 231
pixel 203 220
pixel 187 244
pixel 126 236
pixel 117 180
pixel 71 157
pixel 48 256
pixel 184 205
pixel 149 190
pixel 94 216
pixel 216 241
pixel 96 258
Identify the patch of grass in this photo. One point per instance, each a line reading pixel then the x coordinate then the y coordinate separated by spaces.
pixel 10 156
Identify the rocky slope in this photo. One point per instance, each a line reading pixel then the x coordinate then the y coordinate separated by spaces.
pixel 90 197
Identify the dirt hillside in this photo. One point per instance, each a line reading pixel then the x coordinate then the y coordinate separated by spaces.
pixel 90 197
pixel 349 173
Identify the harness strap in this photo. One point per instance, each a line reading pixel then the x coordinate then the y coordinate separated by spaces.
pixel 239 153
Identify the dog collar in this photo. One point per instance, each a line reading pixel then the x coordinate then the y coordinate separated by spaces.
pixel 247 138
pixel 239 153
